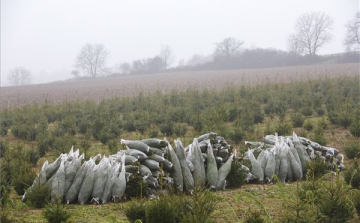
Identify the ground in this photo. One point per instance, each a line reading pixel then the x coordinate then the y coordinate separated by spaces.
pixel 121 86
pixel 233 203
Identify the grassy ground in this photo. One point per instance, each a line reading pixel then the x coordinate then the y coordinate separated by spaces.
pixel 233 204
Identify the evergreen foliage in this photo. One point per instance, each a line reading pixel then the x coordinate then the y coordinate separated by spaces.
pixel 352 149
pixel 237 175
pixel 39 195
pixel 135 210
pixel 56 213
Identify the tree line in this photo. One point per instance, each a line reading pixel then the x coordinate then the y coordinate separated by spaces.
pixel 312 31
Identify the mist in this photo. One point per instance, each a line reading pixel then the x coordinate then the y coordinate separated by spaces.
pixel 45 37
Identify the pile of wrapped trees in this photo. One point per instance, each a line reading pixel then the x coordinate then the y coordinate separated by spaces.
pixel 204 163
pixel 287 157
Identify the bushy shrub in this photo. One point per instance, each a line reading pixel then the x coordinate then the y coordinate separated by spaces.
pixel 306 111
pixel 167 128
pixel 333 117
pixel 297 120
pixel 258 116
pixel 237 135
pixel 113 146
pixel 334 205
pixel 153 133
pixel 298 207
pixel 352 174
pixel 355 125
pixel 141 125
pixel 56 213
pixel 161 211
pixel 199 207
pixel 198 124
pixel 268 129
pixel 44 143
pixel 32 155
pixel 323 123
pixel 254 217
pixel 308 125
pixel 24 131
pixel 319 136
pixel 317 168
pixel 105 135
pixel 344 118
pixel 136 187
pixel 3 130
pixel 355 128
pixel 275 106
pixel 38 195
pixel 135 210
pixel 320 111
pixel 129 125
pixel 4 187
pixel 23 178
pixel 4 147
pixel 352 149
pixel 302 133
pixel 283 128
pixel 355 195
pixel 63 143
pixel 83 125
pixel 6 119
pixel 237 175
pixel 233 113
pixel 21 169
pixel 180 129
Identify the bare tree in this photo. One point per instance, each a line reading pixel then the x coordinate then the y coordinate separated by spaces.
pixel 124 68
pixel 227 48
pixel 92 59
pixel 312 31
pixel 352 38
pixel 293 44
pixel 181 63
pixel 19 76
pixel 198 59
pixel 75 73
pixel 167 56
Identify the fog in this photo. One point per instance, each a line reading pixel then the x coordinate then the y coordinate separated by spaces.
pixel 46 36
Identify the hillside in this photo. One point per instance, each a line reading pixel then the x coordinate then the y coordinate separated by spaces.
pixel 122 86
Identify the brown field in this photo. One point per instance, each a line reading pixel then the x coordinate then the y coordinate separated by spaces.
pixel 122 86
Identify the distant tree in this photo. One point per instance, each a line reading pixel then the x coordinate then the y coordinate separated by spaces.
pixel 124 68
pixel 92 60
pixel 147 66
pixel 181 63
pixel 352 37
pixel 75 73
pixel 312 31
pixel 137 67
pixel 167 56
pixel 198 59
pixel 294 45
pixel 227 48
pixel 19 76
pixel 154 65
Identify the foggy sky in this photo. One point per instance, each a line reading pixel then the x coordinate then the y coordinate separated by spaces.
pixel 45 36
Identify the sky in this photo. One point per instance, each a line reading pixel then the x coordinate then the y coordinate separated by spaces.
pixel 45 36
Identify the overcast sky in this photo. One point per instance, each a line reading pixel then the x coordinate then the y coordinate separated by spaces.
pixel 45 36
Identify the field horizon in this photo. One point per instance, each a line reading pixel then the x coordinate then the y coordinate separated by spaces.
pixel 131 85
